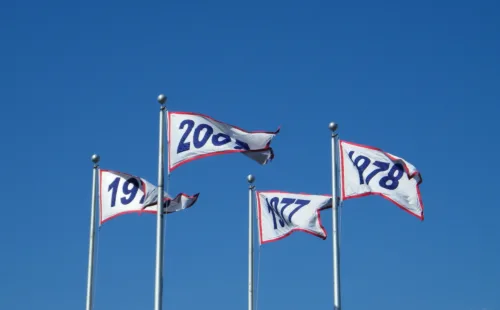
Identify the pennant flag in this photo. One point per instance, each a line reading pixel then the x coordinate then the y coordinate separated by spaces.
pixel 193 136
pixel 281 213
pixel 370 171
pixel 121 193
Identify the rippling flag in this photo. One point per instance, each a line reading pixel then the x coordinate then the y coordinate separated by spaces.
pixel 122 193
pixel 193 136
pixel 367 170
pixel 280 214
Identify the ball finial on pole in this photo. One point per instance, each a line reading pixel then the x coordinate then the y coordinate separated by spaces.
pixel 95 158
pixel 250 178
pixel 162 99
pixel 333 126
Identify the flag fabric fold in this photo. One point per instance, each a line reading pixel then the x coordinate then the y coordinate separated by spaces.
pixel 121 193
pixel 180 202
pixel 194 136
pixel 281 213
pixel 366 170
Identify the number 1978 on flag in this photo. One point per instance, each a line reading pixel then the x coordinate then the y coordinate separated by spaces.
pixel 370 171
pixel 389 181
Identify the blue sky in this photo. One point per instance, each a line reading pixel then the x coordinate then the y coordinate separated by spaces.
pixel 419 80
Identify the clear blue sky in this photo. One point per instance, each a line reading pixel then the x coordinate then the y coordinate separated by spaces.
pixel 419 80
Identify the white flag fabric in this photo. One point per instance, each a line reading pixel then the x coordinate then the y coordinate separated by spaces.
pixel 367 170
pixel 193 136
pixel 281 213
pixel 122 193
pixel 180 202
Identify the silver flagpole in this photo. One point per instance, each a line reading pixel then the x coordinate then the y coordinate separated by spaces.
pixel 90 271
pixel 159 219
pixel 335 222
pixel 250 179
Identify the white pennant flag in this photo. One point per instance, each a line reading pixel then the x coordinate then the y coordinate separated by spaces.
pixel 193 136
pixel 122 193
pixel 281 213
pixel 370 171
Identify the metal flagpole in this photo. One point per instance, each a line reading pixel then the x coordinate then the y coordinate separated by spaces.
pixel 250 179
pixel 335 236
pixel 90 272
pixel 159 219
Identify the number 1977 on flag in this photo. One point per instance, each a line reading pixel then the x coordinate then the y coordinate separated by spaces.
pixel 272 207
pixel 281 213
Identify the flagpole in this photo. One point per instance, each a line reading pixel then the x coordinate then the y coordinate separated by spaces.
pixel 159 218
pixel 250 179
pixel 335 237
pixel 90 271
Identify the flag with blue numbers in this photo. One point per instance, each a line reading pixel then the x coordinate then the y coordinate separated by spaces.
pixel 367 170
pixel 193 136
pixel 122 193
pixel 281 213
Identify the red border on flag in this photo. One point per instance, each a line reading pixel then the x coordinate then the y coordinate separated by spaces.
pixel 329 206
pixel 171 168
pixel 194 197
pixel 393 159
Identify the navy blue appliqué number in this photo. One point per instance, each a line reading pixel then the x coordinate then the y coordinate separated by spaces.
pixel 390 181
pixel 202 134
pixel 220 139
pixel 272 207
pixel 393 177
pixel 183 145
pixel 200 142
pixel 361 167
pixel 129 188
pixel 278 214
pixel 240 145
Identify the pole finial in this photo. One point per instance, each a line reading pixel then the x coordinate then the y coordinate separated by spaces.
pixel 250 178
pixel 95 158
pixel 333 126
pixel 162 99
